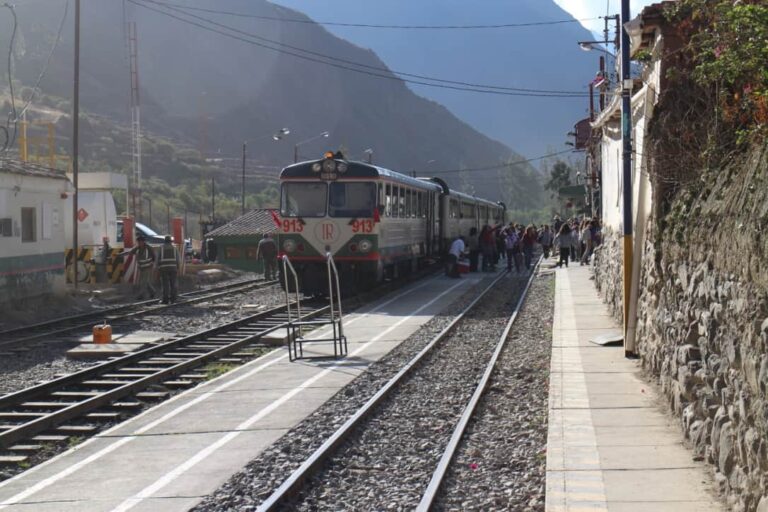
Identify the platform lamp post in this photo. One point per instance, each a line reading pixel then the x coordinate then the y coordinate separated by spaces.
pixel 75 142
pixel 282 132
pixel 296 146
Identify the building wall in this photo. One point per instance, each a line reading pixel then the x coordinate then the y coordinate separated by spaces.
pixel 239 252
pixel 35 267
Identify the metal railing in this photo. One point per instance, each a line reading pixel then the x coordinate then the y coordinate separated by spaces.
pixel 333 278
pixel 295 338
pixel 287 265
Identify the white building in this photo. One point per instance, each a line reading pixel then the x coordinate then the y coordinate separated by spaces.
pixel 32 230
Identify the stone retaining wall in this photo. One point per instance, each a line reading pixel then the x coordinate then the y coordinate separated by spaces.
pixel 703 322
pixel 607 271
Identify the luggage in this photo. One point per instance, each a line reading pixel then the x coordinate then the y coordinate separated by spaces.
pixel 463 266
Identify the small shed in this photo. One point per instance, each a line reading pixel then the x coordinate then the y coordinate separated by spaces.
pixel 237 241
pixel 33 218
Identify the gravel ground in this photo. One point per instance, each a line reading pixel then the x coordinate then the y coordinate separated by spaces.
pixel 246 489
pixel 32 311
pixel 44 362
pixel 501 462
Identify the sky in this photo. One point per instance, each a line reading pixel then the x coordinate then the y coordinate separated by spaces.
pixel 593 8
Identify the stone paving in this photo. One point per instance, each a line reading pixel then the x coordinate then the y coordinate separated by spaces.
pixel 610 446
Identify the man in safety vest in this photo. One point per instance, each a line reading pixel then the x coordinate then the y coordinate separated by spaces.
pixel 145 260
pixel 267 252
pixel 168 264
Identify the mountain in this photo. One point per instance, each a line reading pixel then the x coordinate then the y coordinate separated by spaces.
pixel 211 91
pixel 543 57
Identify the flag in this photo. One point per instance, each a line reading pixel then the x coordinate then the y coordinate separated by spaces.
pixel 275 218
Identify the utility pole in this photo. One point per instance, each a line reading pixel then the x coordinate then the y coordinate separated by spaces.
pixel 626 138
pixel 75 142
pixel 242 207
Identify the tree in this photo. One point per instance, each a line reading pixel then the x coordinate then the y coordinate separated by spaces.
pixel 559 177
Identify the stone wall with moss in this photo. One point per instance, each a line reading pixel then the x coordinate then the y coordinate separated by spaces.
pixel 607 271
pixel 703 322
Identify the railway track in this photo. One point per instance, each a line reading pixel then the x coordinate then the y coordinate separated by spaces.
pixel 349 441
pixel 84 402
pixel 13 338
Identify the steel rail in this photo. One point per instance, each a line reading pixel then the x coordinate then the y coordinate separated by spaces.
pixel 292 485
pixel 433 488
pixel 50 420
pixel 192 298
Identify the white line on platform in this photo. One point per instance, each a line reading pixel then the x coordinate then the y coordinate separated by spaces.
pixel 47 482
pixel 211 448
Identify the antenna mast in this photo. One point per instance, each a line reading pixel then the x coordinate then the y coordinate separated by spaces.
pixel 133 52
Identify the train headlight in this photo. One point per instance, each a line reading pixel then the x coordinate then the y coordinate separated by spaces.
pixel 289 246
pixel 329 166
pixel 317 167
pixel 341 167
pixel 365 245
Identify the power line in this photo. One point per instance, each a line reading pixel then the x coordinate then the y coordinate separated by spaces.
pixel 12 114
pixel 48 61
pixel 443 84
pixel 497 166
pixel 368 25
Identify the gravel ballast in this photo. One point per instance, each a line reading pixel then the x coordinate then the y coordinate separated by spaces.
pixel 501 461
pixel 43 362
pixel 403 440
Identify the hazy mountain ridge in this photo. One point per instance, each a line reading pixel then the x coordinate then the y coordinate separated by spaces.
pixel 211 91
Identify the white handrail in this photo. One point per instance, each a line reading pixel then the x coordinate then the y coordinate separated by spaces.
pixel 333 270
pixel 286 266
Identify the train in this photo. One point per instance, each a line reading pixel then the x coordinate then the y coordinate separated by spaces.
pixel 376 223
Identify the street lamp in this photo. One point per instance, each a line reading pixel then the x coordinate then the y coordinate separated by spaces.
pixel 282 132
pixel 296 146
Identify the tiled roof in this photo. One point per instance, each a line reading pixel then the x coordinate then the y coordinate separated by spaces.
pixel 30 169
pixel 255 222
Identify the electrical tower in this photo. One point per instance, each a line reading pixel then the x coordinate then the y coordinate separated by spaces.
pixel 133 52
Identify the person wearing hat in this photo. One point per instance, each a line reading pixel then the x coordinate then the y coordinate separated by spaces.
pixel 145 257
pixel 168 264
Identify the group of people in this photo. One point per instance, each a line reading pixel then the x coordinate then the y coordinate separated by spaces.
pixel 515 243
pixel 576 239
pixel 165 260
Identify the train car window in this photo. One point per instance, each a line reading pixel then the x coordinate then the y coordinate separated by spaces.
pixel 419 204
pixel 467 211
pixel 408 209
pixel 401 210
pixel 303 199
pixel 388 200
pixel 395 200
pixel 454 209
pixel 351 199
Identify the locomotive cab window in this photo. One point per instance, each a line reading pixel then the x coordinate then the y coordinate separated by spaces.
pixel 351 199
pixel 303 199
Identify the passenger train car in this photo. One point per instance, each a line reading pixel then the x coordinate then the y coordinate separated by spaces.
pixel 376 223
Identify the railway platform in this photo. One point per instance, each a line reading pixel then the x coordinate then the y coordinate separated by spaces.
pixel 610 444
pixel 172 455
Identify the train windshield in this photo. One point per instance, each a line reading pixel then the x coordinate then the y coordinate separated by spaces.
pixel 303 199
pixel 352 199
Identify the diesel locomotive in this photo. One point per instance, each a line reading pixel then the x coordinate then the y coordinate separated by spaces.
pixel 377 223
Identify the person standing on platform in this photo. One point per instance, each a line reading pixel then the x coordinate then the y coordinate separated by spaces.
pixel 267 252
pixel 545 239
pixel 473 246
pixel 168 264
pixel 145 263
pixel 454 253
pixel 512 245
pixel 564 240
pixel 487 245
pixel 528 242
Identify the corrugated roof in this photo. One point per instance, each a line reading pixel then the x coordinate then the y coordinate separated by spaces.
pixel 30 169
pixel 255 222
